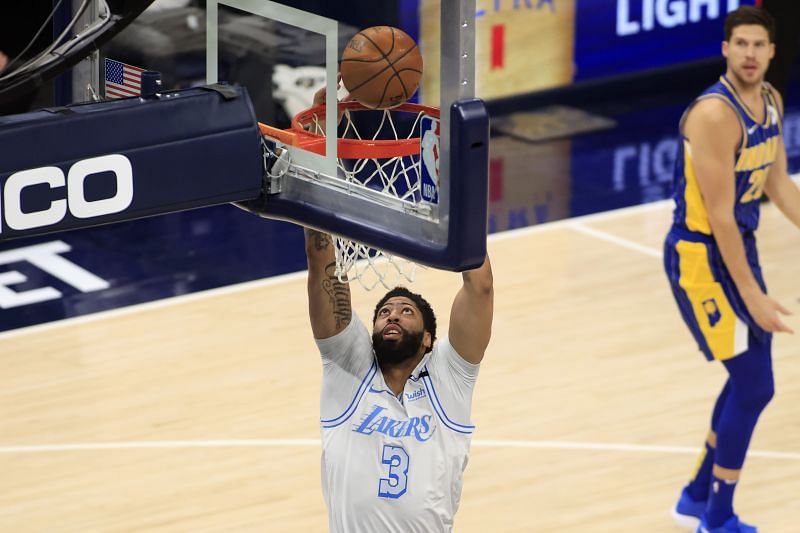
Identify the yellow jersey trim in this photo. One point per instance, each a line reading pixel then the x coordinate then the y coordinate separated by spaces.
pixel 765 122
pixel 742 125
pixel 696 214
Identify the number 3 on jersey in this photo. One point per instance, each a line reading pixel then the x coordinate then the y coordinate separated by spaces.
pixel 396 460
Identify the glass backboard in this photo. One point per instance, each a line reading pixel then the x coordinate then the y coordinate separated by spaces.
pixel 283 52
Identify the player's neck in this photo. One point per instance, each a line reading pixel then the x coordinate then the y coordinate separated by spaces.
pixel 749 93
pixel 396 376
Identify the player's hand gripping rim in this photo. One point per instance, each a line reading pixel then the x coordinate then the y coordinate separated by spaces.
pixel 319 96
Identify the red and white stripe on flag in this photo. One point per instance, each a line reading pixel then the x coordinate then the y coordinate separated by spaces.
pixel 122 80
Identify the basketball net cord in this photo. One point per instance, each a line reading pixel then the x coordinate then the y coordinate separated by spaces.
pixel 394 182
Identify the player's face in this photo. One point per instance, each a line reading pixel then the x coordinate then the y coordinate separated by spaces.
pixel 399 331
pixel 748 53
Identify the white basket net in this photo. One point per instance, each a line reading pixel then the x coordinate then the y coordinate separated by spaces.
pixel 371 267
pixel 396 181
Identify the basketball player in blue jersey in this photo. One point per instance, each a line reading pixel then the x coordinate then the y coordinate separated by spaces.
pixel 731 152
pixel 395 403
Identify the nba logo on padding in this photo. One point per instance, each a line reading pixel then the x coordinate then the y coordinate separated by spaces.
pixel 712 311
pixel 429 151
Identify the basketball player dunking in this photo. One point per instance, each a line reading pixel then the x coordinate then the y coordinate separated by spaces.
pixel 395 403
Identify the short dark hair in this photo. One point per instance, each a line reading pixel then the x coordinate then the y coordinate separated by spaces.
pixel 428 316
pixel 749 15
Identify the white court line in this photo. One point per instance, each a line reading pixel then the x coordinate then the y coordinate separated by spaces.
pixel 573 223
pixel 577 224
pixel 292 276
pixel 610 237
pixel 273 443
pixel 594 217
pixel 159 445
pixel 610 447
pixel 156 304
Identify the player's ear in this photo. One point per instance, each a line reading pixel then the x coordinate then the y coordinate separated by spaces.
pixel 426 340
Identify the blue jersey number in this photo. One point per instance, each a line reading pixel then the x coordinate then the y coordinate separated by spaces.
pixel 396 460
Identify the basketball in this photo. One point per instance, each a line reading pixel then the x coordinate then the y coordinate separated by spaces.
pixel 381 67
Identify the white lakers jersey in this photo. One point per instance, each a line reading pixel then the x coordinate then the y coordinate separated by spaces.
pixel 393 463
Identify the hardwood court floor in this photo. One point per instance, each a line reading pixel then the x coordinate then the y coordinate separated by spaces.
pixel 201 414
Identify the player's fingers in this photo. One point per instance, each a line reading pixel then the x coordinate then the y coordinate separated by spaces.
pixel 319 96
pixel 768 323
pixel 782 310
pixel 765 321
pixel 775 325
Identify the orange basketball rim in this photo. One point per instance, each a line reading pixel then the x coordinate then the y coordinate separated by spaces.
pixel 307 134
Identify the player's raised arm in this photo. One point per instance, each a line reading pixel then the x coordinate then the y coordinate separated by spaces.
pixel 714 133
pixel 329 306
pixel 471 315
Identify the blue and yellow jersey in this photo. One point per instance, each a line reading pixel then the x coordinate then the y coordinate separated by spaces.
pixel 758 149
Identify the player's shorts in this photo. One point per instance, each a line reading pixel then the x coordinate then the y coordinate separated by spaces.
pixel 707 296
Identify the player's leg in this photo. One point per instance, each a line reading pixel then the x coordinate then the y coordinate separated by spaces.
pixel 692 502
pixel 752 386
pixel 720 335
pixel 694 497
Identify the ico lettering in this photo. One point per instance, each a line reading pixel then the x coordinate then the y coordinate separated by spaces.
pixel 416 426
pixel 73 192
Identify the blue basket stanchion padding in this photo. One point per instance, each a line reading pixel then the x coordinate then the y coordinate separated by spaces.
pixel 187 149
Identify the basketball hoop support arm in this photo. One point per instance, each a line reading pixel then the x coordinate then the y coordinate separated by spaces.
pixel 90 164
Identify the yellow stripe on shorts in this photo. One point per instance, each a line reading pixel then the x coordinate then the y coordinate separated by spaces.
pixel 724 332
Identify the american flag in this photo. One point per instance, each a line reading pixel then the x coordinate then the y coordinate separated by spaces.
pixel 122 80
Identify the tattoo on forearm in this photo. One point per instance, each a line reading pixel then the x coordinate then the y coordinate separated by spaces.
pixel 320 240
pixel 339 293
pixel 319 247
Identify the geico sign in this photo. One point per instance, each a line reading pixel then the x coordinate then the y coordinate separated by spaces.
pixel 75 201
